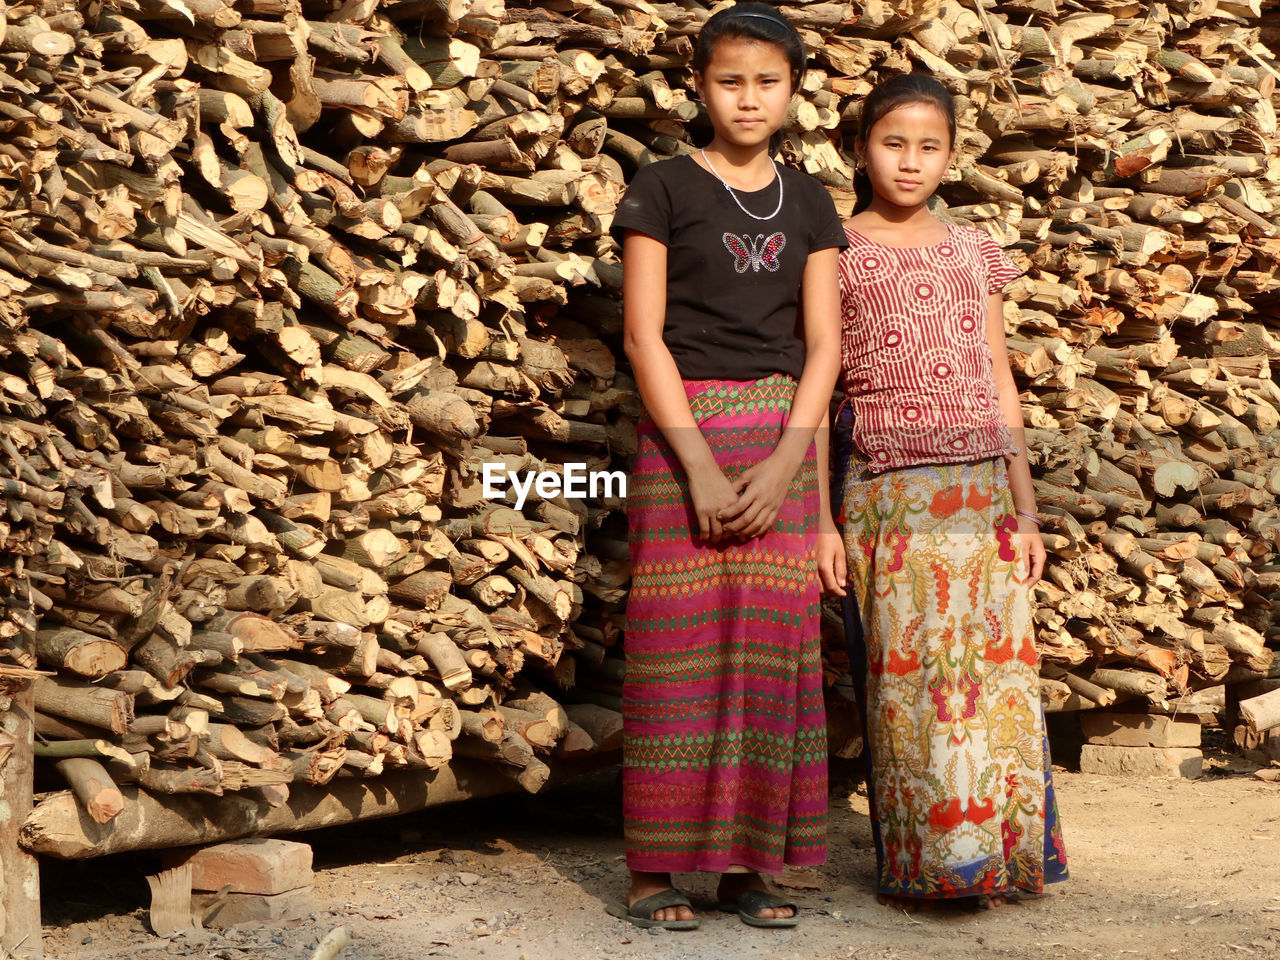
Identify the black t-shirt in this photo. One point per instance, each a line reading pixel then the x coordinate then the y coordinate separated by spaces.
pixel 733 282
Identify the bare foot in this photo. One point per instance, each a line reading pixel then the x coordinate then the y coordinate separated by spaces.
pixel 734 885
pixel 922 905
pixel 646 885
pixel 906 904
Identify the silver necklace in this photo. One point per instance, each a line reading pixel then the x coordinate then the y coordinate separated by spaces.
pixel 776 175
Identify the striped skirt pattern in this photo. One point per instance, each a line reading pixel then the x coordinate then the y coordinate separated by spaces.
pixel 961 787
pixel 724 760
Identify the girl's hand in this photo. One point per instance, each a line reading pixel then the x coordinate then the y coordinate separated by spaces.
pixel 712 494
pixel 831 559
pixel 761 491
pixel 1033 550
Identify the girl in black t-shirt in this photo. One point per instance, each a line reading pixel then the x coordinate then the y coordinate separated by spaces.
pixel 724 765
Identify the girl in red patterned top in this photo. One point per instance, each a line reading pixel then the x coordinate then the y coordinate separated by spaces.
pixel 940 530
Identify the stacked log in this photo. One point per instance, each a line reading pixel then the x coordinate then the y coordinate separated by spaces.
pixel 263 328
pixel 281 276
pixel 1143 332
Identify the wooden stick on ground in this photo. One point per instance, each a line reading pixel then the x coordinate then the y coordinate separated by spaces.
pixel 334 942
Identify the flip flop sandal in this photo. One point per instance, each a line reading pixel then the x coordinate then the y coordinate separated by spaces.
pixel 641 912
pixel 751 902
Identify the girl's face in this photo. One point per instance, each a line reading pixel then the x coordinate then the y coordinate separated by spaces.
pixel 907 153
pixel 746 89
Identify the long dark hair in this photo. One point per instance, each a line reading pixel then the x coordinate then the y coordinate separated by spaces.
pixel 758 22
pixel 899 91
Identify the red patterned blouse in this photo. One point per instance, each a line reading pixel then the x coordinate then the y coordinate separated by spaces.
pixel 916 363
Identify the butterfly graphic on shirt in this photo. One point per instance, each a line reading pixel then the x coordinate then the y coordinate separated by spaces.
pixel 762 251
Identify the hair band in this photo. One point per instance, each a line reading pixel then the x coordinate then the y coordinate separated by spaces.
pixel 747 13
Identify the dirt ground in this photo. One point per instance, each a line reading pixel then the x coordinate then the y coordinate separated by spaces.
pixel 1159 869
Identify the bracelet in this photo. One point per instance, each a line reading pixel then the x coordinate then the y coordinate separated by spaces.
pixel 1028 515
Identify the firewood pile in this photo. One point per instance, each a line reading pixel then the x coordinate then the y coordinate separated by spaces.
pixel 280 277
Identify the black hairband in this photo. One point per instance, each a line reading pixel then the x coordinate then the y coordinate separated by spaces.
pixel 748 13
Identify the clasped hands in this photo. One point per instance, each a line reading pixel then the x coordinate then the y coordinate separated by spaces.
pixel 742 508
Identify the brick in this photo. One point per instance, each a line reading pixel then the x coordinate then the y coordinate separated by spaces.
pixel 1162 762
pixel 254 907
pixel 1140 730
pixel 257 865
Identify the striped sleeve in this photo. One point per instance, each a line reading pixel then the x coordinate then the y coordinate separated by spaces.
pixel 1000 270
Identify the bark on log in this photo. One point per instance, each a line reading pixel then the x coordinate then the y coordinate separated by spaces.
pixel 58 827
pixel 108 709
pixel 93 787
pixel 79 653
pixel 1262 712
